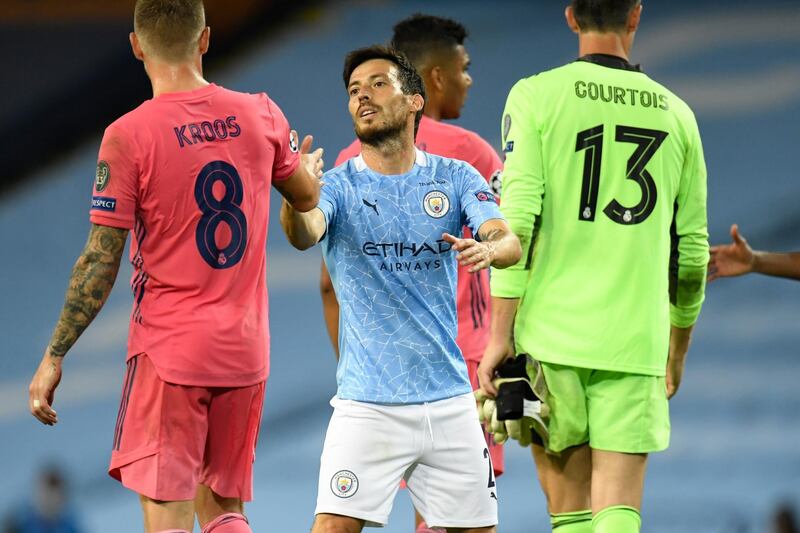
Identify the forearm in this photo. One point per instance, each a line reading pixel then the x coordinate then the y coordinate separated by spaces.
pixel 505 245
pixel 303 230
pixel 504 312
pixel 679 340
pixel 785 265
pixel 91 282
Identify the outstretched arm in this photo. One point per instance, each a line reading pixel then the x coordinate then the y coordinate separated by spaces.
pixel 303 230
pixel 301 188
pixel 738 258
pixel 92 278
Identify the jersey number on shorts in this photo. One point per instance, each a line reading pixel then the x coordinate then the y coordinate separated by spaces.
pixel 487 455
pixel 226 210
pixel 647 143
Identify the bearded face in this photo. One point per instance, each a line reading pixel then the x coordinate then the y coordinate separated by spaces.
pixel 379 109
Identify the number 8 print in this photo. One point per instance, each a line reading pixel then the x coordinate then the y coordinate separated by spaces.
pixel 215 212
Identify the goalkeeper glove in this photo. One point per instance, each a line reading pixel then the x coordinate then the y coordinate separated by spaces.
pixel 520 402
pixel 487 413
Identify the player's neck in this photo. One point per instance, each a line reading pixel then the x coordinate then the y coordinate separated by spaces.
pixel 174 78
pixel 432 112
pixel 393 156
pixel 612 44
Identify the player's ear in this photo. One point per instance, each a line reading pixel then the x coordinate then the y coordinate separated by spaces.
pixel 633 18
pixel 205 38
pixel 436 78
pixel 572 22
pixel 136 46
pixel 417 102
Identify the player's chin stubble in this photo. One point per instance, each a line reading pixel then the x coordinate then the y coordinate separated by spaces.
pixel 378 135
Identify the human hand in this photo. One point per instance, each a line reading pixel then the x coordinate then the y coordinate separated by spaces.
pixel 311 160
pixel 42 389
pixel 496 352
pixel 732 259
pixel 679 340
pixel 477 255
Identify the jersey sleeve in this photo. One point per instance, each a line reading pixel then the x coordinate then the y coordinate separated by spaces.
pixel 287 157
pixel 689 258
pixel 116 184
pixel 523 186
pixel 478 203
pixel 486 162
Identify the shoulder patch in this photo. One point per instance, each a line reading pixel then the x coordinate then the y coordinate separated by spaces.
pixel 102 176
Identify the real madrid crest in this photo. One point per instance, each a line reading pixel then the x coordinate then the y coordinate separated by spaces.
pixel 436 204
pixel 101 176
pixel 344 484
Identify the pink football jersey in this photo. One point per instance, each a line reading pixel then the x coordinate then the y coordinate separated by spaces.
pixel 190 174
pixel 472 292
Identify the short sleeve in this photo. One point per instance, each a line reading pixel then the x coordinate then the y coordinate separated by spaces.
pixel 486 162
pixel 287 157
pixel 116 183
pixel 478 202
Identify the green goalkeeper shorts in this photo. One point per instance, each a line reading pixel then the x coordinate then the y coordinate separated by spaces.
pixel 612 411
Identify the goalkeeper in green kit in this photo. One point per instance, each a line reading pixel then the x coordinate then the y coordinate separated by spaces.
pixel 605 186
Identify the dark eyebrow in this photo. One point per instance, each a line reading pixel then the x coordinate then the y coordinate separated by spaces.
pixel 368 79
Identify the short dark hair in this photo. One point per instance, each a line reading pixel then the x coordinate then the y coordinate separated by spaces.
pixel 420 35
pixel 410 80
pixel 602 15
pixel 170 27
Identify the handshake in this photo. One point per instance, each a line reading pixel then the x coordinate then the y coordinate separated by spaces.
pixel 519 411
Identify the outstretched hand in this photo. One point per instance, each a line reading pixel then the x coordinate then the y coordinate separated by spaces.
pixel 311 160
pixel 476 255
pixel 732 259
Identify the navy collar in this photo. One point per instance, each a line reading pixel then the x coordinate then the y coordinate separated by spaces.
pixel 610 61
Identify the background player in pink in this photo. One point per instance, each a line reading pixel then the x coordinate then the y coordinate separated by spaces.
pixel 435 47
pixel 189 171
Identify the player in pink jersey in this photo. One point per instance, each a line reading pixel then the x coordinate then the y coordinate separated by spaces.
pixel 436 48
pixel 189 171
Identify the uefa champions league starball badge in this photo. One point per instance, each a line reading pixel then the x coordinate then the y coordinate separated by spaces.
pixel 344 484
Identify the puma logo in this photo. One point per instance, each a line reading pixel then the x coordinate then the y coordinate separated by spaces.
pixel 373 206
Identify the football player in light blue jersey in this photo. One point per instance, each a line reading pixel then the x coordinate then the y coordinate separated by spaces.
pixel 388 221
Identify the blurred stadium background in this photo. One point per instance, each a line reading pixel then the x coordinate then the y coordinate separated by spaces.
pixel 67 72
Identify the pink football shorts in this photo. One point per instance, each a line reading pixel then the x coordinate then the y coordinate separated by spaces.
pixel 170 438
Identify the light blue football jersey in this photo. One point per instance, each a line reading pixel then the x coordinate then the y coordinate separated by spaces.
pixel 395 278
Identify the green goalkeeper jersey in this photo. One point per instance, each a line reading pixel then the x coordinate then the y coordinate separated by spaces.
pixel 605 186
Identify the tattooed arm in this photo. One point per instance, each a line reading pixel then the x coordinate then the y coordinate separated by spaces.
pixel 89 286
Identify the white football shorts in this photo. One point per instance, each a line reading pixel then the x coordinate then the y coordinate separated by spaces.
pixel 438 448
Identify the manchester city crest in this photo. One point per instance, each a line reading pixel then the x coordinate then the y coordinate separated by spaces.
pixel 344 484
pixel 436 204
